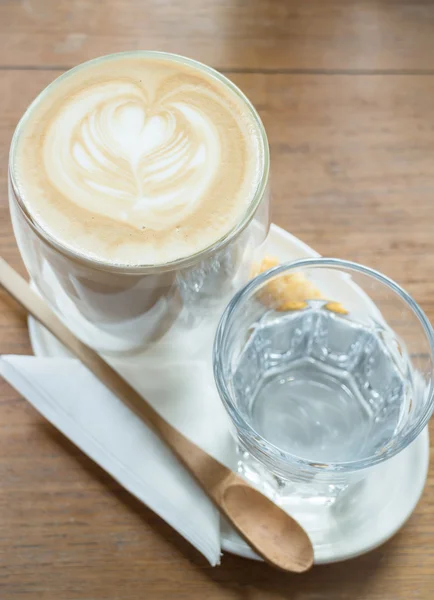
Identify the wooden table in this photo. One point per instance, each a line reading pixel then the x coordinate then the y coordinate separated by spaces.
pixel 346 92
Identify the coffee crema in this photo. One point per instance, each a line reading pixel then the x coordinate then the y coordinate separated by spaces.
pixel 138 159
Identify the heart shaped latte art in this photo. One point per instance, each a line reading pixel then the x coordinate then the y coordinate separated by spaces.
pixel 114 152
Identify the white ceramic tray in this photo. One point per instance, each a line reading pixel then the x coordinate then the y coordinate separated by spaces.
pixel 364 519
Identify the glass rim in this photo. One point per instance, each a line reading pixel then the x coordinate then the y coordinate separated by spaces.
pixel 186 261
pixel 240 423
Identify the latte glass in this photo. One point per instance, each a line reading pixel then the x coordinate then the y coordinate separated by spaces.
pixel 119 309
pixel 326 370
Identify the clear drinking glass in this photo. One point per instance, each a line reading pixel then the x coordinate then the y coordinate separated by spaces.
pixel 326 370
pixel 118 309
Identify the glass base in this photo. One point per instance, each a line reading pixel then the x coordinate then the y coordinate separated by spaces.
pixel 319 490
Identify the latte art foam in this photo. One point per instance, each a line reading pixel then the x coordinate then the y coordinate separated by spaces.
pixel 118 154
pixel 138 160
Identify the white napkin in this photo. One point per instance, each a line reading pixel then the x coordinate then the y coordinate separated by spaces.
pixel 75 402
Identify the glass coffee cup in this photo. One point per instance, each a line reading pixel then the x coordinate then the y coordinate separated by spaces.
pixel 119 308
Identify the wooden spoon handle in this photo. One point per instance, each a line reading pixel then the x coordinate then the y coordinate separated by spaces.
pixel 271 532
pixel 204 468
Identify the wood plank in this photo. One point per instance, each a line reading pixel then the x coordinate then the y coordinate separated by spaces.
pixel 353 177
pixel 260 34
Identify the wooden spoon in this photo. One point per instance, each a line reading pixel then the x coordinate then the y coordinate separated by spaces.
pixel 270 531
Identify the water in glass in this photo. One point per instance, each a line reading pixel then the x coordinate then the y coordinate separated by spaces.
pixel 322 386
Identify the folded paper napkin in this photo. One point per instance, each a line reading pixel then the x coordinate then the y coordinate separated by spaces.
pixel 183 391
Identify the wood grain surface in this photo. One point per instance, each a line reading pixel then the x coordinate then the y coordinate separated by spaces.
pixel 346 92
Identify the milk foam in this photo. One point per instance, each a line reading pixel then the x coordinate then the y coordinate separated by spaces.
pixel 138 160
